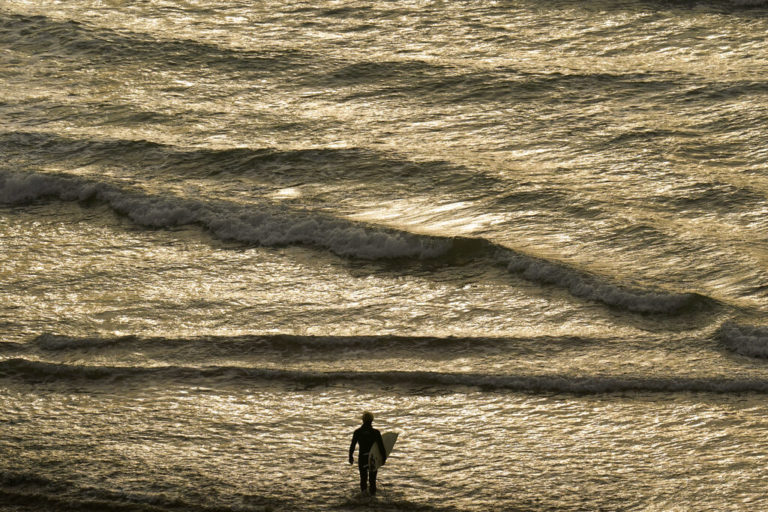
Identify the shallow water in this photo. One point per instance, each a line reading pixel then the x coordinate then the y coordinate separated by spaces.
pixel 530 236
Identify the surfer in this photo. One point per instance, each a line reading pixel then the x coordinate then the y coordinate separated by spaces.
pixel 365 436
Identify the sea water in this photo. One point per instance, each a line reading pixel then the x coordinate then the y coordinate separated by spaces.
pixel 531 236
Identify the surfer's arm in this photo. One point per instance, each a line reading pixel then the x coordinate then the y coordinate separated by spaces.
pixel 352 448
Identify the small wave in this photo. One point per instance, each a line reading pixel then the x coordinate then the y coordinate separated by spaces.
pixel 250 344
pixel 367 72
pixel 18 479
pixel 277 167
pixel 319 346
pixel 713 195
pixel 7 347
pixel 444 83
pixel 45 372
pixel 83 151
pixel 53 342
pixel 74 41
pixel 746 340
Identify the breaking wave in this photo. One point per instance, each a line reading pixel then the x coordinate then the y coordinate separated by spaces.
pixel 227 221
pixel 269 226
pixel 746 340
pixel 586 286
pixel 45 372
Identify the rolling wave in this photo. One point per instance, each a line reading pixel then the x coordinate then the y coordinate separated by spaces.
pixel 268 225
pixel 586 286
pixel 35 372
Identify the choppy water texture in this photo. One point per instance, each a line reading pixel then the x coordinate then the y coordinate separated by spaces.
pixel 531 236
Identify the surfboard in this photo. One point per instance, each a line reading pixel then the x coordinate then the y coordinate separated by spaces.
pixel 374 459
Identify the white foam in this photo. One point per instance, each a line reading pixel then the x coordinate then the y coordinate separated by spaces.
pixel 746 340
pixel 256 224
pixel 588 287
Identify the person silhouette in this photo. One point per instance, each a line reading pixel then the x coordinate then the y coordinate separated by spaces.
pixel 366 436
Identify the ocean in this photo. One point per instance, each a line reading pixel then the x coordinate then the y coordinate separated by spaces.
pixel 530 236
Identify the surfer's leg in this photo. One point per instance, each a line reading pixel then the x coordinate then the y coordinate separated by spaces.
pixel 372 479
pixel 363 476
pixel 363 479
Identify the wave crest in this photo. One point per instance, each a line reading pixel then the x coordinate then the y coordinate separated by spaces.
pixel 258 224
pixel 589 287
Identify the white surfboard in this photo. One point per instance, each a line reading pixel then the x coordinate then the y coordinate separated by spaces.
pixel 374 458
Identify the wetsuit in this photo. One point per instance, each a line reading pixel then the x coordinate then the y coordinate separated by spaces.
pixel 365 436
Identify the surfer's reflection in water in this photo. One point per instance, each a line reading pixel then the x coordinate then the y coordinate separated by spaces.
pixel 365 436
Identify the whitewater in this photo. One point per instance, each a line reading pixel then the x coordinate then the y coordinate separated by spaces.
pixel 530 236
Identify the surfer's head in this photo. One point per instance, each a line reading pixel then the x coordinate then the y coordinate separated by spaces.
pixel 367 417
